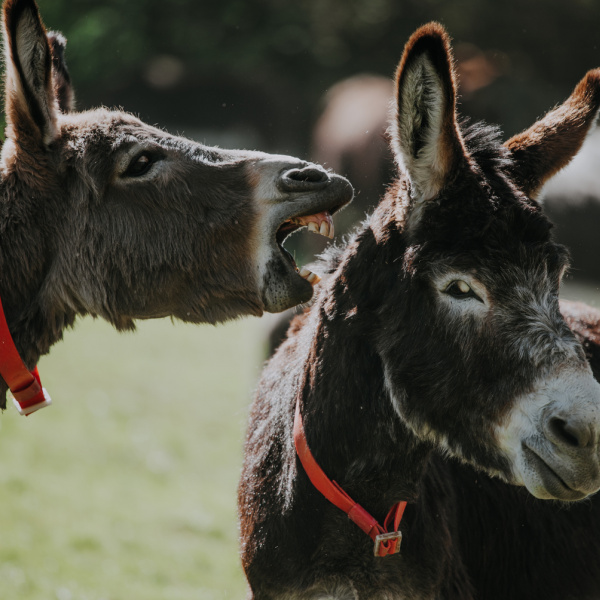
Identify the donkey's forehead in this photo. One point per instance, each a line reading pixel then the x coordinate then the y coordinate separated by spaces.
pixel 113 131
pixel 498 262
pixel 104 125
pixel 483 203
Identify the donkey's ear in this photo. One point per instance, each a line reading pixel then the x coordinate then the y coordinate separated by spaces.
pixel 550 144
pixel 30 102
pixel 425 136
pixel 63 89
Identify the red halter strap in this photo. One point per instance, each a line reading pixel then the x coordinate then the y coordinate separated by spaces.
pixel 25 385
pixel 386 542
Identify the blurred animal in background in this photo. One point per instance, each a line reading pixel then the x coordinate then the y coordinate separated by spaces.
pixel 572 202
pixel 349 137
pixel 436 389
pixel 105 215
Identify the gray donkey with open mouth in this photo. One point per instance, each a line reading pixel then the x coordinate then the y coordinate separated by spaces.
pixel 102 214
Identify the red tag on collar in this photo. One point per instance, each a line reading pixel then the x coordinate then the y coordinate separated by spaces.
pixel 25 385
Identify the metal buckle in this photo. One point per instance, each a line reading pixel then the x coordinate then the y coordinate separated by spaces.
pixel 385 537
pixel 31 409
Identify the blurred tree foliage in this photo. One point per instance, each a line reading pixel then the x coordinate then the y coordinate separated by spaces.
pixel 284 54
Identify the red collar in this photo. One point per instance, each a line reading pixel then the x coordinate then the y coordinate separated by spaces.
pixel 25 385
pixel 386 542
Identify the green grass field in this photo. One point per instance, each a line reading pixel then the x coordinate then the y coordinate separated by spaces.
pixel 125 488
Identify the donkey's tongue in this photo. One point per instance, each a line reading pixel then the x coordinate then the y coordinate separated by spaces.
pixel 321 223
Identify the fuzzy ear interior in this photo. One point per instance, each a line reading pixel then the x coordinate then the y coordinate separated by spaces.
pixel 425 136
pixel 30 101
pixel 63 89
pixel 549 144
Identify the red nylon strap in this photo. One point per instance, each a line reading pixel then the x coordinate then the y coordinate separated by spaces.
pixel 386 542
pixel 24 384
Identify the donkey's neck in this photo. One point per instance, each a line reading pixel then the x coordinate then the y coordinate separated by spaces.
pixel 35 322
pixel 352 427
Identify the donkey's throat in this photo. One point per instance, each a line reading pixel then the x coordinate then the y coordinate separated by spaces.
pixel 320 223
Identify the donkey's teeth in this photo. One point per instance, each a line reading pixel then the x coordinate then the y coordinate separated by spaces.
pixel 311 277
pixel 321 223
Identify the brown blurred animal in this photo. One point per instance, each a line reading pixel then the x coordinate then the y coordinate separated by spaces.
pixel 349 137
pixel 572 201
pixel 102 214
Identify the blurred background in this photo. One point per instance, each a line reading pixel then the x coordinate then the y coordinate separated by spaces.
pixel 125 488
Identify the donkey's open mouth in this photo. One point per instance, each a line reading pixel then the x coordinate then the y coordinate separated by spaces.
pixel 320 223
pixel 293 195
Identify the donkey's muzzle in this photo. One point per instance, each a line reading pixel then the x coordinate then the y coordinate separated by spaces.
pixel 308 179
pixel 564 456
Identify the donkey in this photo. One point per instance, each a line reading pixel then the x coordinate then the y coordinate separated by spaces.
pixel 434 374
pixel 104 215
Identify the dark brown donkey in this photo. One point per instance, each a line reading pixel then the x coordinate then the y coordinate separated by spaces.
pixel 435 367
pixel 102 214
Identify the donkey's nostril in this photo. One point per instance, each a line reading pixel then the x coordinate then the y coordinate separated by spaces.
pixel 571 433
pixel 307 179
pixel 308 174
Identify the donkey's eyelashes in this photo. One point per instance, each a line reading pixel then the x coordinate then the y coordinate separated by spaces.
pixel 141 164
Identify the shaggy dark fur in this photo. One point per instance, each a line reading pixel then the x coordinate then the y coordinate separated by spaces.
pixel 402 384
pixel 102 214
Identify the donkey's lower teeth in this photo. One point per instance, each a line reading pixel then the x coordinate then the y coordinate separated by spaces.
pixel 311 277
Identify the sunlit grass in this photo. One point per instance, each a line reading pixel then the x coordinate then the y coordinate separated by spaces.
pixel 125 488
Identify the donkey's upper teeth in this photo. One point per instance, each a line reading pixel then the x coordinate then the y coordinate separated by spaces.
pixel 321 223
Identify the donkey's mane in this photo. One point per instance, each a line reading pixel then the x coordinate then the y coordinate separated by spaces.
pixel 484 143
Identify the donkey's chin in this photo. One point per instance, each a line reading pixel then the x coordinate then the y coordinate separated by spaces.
pixel 557 481
pixel 284 286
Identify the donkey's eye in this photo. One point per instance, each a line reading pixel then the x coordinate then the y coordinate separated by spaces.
pixel 140 165
pixel 461 290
